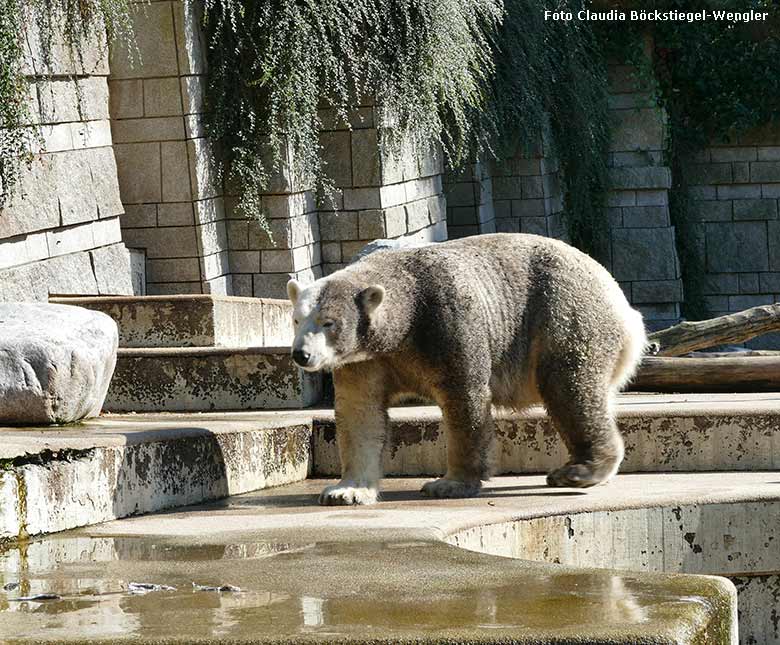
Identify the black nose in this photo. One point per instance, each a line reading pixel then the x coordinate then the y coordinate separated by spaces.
pixel 301 357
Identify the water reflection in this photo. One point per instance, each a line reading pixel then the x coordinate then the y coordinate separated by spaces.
pixel 313 611
pixel 293 588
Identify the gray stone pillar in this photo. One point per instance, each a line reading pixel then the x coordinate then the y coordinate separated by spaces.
pixel 643 252
pixel 527 194
pixel 469 195
pixel 735 186
pixel 174 204
pixel 379 195
pixel 261 264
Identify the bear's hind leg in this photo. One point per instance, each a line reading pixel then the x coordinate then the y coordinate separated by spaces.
pixel 468 426
pixel 580 411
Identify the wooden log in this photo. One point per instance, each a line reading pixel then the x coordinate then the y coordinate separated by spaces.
pixel 732 328
pixel 728 374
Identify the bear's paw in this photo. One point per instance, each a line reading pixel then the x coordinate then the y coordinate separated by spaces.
pixel 348 494
pixel 451 488
pixel 576 476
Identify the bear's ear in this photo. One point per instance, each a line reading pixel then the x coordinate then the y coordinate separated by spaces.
pixel 293 290
pixel 371 297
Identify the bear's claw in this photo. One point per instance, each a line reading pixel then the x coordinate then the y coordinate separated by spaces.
pixel 574 476
pixel 346 495
pixel 449 488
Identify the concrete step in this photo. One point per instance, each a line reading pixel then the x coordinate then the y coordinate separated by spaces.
pixel 201 379
pixel 663 433
pixel 52 479
pixel 194 320
pixel 394 573
pixel 57 478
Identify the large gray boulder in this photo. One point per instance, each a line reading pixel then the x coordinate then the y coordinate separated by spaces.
pixel 56 362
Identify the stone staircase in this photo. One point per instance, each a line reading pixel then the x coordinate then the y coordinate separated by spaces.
pixel 199 353
pixel 53 479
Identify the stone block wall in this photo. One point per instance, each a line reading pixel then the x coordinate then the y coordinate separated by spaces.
pixel 469 195
pixel 174 206
pixel 735 188
pixel 379 193
pixel 524 194
pixel 521 194
pixel 188 224
pixel 262 261
pixel 643 256
pixel 371 196
pixel 527 192
pixel 59 230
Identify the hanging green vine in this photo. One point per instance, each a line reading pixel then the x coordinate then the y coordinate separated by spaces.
pixel 44 25
pixel 469 75
pixel 555 72
pixel 274 64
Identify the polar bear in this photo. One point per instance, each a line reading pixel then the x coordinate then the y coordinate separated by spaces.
pixel 505 319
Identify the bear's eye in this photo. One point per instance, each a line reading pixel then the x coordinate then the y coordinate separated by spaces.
pixel 327 324
pixel 295 321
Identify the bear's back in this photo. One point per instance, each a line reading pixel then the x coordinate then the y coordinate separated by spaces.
pixel 506 266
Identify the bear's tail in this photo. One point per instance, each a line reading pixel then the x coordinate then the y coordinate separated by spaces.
pixel 634 346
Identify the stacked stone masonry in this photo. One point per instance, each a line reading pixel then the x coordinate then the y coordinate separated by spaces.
pixel 527 193
pixel 194 236
pixel 521 194
pixel 372 195
pixel 643 256
pixel 174 204
pixel 524 194
pixel 381 191
pixel 60 226
pixel 735 187
pixel 263 260
pixel 469 194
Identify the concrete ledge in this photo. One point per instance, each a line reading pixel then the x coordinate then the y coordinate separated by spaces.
pixel 381 574
pixel 52 480
pixel 662 434
pixel 195 320
pixel 57 478
pixel 736 540
pixel 194 379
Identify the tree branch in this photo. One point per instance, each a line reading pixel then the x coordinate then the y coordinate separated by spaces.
pixel 733 328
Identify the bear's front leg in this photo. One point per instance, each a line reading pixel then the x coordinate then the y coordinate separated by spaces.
pixel 361 427
pixel 468 425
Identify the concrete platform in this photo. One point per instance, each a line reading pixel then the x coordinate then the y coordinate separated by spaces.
pixel 663 433
pixel 384 574
pixel 194 320
pixel 200 379
pixel 52 479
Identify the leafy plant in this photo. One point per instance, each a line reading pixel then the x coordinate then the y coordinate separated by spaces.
pixel 273 64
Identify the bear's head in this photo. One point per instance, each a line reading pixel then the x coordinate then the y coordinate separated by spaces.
pixel 331 317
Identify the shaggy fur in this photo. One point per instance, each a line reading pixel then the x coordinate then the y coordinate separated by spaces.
pixel 504 319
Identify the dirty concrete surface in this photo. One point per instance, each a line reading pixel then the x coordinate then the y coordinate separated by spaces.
pixel 381 573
